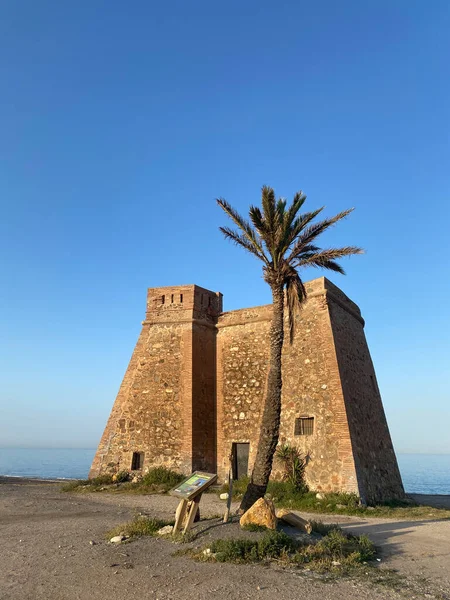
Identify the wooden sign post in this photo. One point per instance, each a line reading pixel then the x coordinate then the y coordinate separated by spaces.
pixel 190 491
pixel 226 516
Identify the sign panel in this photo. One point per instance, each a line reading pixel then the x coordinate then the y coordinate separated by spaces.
pixel 195 484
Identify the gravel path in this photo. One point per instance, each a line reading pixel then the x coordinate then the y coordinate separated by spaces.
pixel 46 554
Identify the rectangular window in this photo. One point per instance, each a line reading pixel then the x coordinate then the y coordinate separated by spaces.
pixel 304 426
pixel 137 462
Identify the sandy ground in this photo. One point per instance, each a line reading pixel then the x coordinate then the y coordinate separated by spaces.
pixel 45 553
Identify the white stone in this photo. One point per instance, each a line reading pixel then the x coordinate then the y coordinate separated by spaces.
pixel 320 496
pixel 324 387
pixel 207 551
pixel 224 496
pixel 166 530
pixel 307 361
pixel 335 563
pixel 241 416
pixel 117 539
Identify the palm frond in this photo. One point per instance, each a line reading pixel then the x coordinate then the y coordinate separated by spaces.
pixel 310 233
pixel 326 259
pixel 244 226
pixel 257 220
pixel 285 220
pixel 269 207
pixel 242 240
pixel 299 225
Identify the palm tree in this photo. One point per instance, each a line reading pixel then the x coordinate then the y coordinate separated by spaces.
pixel 282 239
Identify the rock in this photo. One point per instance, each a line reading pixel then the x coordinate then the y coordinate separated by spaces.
pixel 117 539
pixel 294 520
pixel 92 543
pixel 335 563
pixel 224 496
pixel 320 496
pixel 207 551
pixel 261 513
pixel 166 530
pixel 340 506
pixel 371 508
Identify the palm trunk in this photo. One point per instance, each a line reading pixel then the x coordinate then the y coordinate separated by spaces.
pixel 270 424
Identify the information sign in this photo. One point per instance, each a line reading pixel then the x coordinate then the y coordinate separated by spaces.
pixel 194 485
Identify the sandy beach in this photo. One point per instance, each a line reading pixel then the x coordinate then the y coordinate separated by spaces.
pixel 47 553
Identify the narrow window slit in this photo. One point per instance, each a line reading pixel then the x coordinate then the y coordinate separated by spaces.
pixel 137 462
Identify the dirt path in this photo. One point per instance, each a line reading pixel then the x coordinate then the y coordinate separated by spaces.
pixel 46 554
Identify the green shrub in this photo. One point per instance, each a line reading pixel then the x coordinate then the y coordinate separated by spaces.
pixel 100 480
pixel 235 550
pixel 161 476
pixel 253 527
pixel 274 543
pixel 322 528
pixel 337 547
pixel 139 527
pixel 72 486
pixel 122 476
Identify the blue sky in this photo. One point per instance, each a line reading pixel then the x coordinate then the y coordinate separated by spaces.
pixel 122 122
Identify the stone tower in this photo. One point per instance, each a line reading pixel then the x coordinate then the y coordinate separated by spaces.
pixel 193 391
pixel 165 411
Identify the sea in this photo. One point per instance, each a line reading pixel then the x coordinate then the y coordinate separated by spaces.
pixel 421 473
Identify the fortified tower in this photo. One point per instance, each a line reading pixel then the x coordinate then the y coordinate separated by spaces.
pixel 193 393
pixel 165 411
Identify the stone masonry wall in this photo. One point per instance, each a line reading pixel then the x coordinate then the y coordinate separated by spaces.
pixel 147 415
pixel 196 381
pixel 242 351
pixel 153 412
pixel 376 464
pixel 311 387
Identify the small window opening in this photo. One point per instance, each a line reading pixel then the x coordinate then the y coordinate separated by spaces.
pixel 171 299
pixel 163 299
pixel 304 426
pixel 137 462
pixel 209 301
pixel 202 300
pixel 181 298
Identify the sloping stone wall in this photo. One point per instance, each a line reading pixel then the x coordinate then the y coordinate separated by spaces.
pixel 376 464
pixel 195 385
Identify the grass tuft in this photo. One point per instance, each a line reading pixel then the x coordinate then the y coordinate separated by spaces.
pixel 139 527
pixel 336 551
pixel 286 495
pixel 158 480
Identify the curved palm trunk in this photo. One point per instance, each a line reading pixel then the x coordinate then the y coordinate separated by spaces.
pixel 270 424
